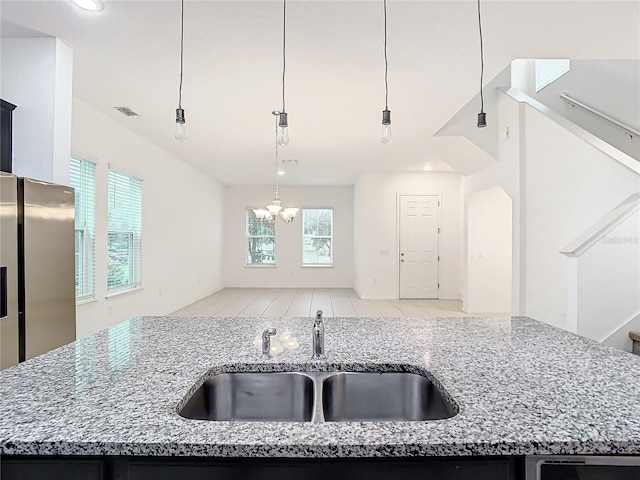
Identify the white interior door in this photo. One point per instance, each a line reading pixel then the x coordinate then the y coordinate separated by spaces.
pixel 419 226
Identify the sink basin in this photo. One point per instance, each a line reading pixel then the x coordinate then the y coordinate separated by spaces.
pixel 318 396
pixel 253 397
pixel 375 397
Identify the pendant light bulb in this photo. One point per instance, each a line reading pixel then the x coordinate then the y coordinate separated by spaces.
pixel 283 136
pixel 385 136
pixel 283 129
pixel 181 129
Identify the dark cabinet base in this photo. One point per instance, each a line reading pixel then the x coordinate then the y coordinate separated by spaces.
pixel 162 468
pixel 51 469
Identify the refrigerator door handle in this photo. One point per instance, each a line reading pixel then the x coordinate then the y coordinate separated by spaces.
pixel 4 296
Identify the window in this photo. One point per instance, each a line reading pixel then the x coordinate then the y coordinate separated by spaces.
pixel 124 248
pixel 261 240
pixel 317 236
pixel 83 180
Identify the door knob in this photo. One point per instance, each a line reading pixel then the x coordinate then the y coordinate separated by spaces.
pixel 402 254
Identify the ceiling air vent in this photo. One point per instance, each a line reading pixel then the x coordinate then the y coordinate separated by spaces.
pixel 126 111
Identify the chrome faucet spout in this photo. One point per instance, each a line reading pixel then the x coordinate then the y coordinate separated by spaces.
pixel 266 343
pixel 317 337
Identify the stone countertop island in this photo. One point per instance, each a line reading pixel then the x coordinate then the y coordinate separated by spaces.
pixel 522 388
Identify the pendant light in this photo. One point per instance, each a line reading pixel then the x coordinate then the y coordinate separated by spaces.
pixel 482 117
pixel 385 136
pixel 181 129
pixel 275 208
pixel 283 122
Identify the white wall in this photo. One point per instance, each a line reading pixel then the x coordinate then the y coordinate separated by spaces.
pixel 182 223
pixel 37 76
pixel 569 185
pixel 288 271
pixel 376 230
pixel 488 287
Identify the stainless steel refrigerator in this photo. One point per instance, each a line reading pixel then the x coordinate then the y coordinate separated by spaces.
pixel 37 268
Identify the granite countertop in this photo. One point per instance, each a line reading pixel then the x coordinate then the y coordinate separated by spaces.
pixel 522 387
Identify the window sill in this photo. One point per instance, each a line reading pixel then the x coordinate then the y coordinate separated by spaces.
pixel 86 300
pixel 320 265
pixel 257 265
pixel 124 291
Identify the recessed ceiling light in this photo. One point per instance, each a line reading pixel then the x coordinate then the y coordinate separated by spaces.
pixel 280 172
pixel 90 5
pixel 427 166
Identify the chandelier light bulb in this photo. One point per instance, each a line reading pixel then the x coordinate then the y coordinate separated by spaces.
pixel 288 214
pixel 262 214
pixel 275 207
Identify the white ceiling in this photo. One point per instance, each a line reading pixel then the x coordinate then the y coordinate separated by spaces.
pixel 128 55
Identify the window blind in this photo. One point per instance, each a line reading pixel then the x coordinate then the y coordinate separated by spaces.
pixel 124 248
pixel 83 180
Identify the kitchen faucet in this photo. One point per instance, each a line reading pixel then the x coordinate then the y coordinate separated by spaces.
pixel 266 343
pixel 317 337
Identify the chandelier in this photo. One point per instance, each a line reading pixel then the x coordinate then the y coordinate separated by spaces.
pixel 275 208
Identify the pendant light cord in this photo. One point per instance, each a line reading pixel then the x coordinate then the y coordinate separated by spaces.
pixel 481 60
pixel 386 66
pixel 284 43
pixel 181 53
pixel 276 163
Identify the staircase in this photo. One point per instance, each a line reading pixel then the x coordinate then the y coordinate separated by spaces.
pixel 603 261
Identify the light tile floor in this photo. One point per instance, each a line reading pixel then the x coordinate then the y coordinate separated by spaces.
pixel 304 302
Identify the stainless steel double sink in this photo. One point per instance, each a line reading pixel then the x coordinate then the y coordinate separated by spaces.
pixel 318 397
